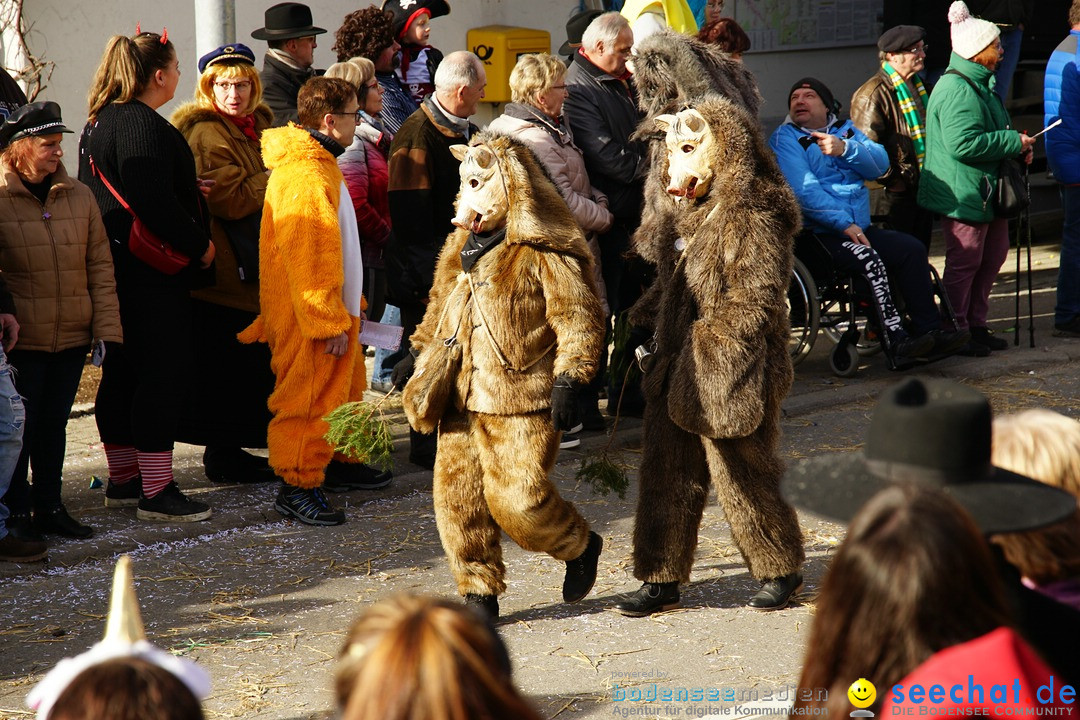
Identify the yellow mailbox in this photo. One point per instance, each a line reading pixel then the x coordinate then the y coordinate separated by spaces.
pixel 498 47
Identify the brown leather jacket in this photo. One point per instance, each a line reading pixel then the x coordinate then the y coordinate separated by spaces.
pixel 876 111
pixel 56 261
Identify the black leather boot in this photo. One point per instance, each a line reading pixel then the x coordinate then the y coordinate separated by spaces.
pixel 650 598
pixel 487 605
pixel 775 594
pixel 581 571
pixel 58 522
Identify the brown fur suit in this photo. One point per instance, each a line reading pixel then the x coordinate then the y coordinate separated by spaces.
pixel 497 442
pixel 721 365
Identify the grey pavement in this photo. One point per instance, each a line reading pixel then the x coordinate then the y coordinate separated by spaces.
pixel 264 602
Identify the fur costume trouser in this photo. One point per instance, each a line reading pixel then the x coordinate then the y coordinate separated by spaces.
pixel 491 474
pixel 309 385
pixel 676 470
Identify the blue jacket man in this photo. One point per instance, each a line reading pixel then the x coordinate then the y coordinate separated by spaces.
pixel 827 161
pixel 1061 100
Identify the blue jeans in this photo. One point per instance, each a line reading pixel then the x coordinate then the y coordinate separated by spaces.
pixel 1010 41
pixel 12 419
pixel 1068 286
pixel 390 316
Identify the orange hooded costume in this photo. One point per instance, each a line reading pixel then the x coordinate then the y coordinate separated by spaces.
pixel 301 286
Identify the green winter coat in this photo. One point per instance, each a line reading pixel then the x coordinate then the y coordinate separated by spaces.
pixel 967 137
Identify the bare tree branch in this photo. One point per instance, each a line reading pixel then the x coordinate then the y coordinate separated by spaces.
pixel 37 71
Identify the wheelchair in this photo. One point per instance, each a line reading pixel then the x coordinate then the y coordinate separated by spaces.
pixel 823 300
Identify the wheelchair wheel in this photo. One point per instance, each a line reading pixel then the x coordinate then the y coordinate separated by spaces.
pixel 844 360
pixel 804 311
pixel 865 347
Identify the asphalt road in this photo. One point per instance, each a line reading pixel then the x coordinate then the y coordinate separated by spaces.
pixel 264 603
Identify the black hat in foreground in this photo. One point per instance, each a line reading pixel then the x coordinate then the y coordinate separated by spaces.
pixel 36 118
pixel 575 28
pixel 901 37
pixel 936 432
pixel 286 21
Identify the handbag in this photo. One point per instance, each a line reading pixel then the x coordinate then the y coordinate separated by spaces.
pixel 1011 194
pixel 142 242
pixel 243 237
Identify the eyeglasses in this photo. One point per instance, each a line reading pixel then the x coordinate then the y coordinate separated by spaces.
pixel 241 86
pixel 358 115
pixel 923 49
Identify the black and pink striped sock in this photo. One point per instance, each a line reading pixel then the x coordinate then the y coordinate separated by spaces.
pixel 123 463
pixel 156 469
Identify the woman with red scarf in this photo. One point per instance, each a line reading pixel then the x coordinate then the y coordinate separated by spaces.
pixel 222 126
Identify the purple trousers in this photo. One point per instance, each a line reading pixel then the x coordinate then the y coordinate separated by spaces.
pixel 974 253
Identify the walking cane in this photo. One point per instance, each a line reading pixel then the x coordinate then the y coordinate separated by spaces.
pixel 1023 232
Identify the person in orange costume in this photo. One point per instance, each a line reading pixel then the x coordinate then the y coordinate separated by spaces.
pixel 310 279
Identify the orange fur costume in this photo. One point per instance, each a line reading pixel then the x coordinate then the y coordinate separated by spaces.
pixel 301 277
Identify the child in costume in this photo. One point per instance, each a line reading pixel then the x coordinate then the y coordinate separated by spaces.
pixel 412 29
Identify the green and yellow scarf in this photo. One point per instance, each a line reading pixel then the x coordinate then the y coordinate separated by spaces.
pixel 909 108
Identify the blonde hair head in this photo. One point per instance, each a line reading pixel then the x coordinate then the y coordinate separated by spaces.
pixel 346 71
pixel 1041 444
pixel 534 74
pixel 238 71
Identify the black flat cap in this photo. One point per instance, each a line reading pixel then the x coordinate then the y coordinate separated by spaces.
pixel 901 37
pixel 36 118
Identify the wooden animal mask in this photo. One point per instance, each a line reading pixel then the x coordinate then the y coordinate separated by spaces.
pixel 690 150
pixel 482 202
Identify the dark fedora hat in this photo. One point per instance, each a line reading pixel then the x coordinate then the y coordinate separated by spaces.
pixel 575 28
pixel 36 118
pixel 935 432
pixel 286 21
pixel 404 11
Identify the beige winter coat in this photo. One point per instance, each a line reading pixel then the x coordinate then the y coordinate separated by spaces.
pixel 555 148
pixel 57 264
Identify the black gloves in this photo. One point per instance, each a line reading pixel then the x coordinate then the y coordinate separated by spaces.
pixel 403 370
pixel 564 405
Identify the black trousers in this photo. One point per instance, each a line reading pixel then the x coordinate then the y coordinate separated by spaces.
pixel 144 383
pixel 48 383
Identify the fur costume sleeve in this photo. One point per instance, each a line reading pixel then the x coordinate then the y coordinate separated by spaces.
pixel 447 269
pixel 573 312
pixel 307 236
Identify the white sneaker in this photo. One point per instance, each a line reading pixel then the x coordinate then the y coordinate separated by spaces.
pixel 570 438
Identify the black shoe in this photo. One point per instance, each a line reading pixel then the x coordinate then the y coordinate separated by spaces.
pixel 423 460
pixel 308 505
pixel 973 349
pixel 125 494
pixel 570 438
pixel 913 347
pixel 12 549
pixel 171 505
pixel 581 571
pixel 21 526
pixel 775 594
pixel 343 477
pixel 58 522
pixel 985 336
pixel 487 605
pixel 650 598
pixel 948 342
pixel 223 464
pixel 1070 329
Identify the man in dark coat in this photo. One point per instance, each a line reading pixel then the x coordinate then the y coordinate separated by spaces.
pixel 287 65
pixel 422 186
pixel 602 107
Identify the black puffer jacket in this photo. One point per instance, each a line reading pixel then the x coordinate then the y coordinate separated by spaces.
pixel 603 111
pixel 1006 12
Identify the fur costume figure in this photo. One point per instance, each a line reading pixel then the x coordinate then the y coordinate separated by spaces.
pixel 302 295
pixel 720 365
pixel 509 315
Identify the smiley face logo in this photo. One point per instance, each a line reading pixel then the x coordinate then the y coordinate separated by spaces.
pixel 862 693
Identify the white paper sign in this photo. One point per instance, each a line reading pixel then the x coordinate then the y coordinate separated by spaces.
pixel 387 337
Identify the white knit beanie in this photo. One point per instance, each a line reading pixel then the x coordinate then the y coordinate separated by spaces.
pixel 969 34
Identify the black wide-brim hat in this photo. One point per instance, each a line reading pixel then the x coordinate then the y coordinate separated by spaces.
pixel 36 118
pixel 286 21
pixel 575 28
pixel 934 432
pixel 405 10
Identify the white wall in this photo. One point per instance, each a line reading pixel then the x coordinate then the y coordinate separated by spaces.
pixel 72 33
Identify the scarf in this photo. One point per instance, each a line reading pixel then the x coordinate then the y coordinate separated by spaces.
pixel 245 124
pixel 909 108
pixel 477 245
